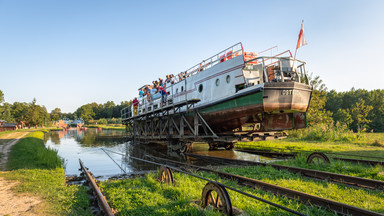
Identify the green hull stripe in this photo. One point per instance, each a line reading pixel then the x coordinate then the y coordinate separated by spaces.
pixel 253 99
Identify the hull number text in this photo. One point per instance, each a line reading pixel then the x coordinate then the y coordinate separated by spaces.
pixel 286 92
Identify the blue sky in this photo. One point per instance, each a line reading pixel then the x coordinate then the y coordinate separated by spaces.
pixel 69 53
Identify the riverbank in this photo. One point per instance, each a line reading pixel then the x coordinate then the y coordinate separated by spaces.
pixel 37 172
pixel 106 127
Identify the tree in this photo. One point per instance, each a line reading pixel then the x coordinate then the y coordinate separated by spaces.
pixel 360 112
pixel 343 117
pixel 5 113
pixel 20 111
pixel 1 97
pixel 376 99
pixel 316 112
pixel 56 114
pixel 108 109
pixel 36 114
pixel 85 112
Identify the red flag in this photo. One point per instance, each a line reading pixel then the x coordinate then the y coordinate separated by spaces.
pixel 301 41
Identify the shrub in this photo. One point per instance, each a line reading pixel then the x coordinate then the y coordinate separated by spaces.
pixel 327 132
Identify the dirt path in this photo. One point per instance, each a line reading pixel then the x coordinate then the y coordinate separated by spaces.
pixel 10 202
pixel 6 142
pixel 15 204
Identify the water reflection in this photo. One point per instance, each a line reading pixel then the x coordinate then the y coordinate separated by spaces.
pixel 87 144
pixel 73 144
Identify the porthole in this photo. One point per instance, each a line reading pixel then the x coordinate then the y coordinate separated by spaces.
pixel 182 88
pixel 200 88
pixel 217 82
pixel 228 78
pixel 177 91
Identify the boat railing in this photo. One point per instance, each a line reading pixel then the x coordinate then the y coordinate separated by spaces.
pixel 126 113
pixel 295 68
pixel 222 56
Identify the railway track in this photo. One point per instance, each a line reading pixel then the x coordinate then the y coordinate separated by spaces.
pixel 351 180
pixel 222 202
pixel 340 208
pixel 102 202
pixel 294 154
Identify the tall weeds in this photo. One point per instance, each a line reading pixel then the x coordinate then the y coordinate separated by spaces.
pixel 30 153
pixel 327 132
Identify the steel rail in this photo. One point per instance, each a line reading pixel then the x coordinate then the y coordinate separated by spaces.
pixel 221 184
pixel 267 153
pixel 333 153
pixel 357 181
pixel 100 197
pixel 370 162
pixel 293 154
pixel 341 208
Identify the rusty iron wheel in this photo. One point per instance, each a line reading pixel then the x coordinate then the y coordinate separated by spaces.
pixel 216 197
pixel 318 158
pixel 165 175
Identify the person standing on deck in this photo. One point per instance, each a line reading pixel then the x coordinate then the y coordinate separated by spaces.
pixel 172 78
pixel 163 93
pixel 135 103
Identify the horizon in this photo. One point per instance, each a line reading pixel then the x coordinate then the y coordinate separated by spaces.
pixel 68 54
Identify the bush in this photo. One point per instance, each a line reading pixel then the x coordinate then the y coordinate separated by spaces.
pixel 327 132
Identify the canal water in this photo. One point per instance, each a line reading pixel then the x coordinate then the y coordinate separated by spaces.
pixel 89 145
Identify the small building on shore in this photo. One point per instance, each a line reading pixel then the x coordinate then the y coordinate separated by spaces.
pixel 8 126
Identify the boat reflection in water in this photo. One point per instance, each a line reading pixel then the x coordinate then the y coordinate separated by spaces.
pixel 87 145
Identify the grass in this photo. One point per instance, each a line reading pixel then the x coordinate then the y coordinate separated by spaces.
pixel 30 153
pixel 146 196
pixel 40 173
pixel 327 132
pixel 368 147
pixel 340 167
pixel 367 199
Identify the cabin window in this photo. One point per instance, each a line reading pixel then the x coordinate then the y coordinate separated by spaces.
pixel 182 88
pixel 177 91
pixel 200 88
pixel 217 82
pixel 228 78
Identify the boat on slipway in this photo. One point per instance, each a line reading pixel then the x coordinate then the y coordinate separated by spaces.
pixel 232 96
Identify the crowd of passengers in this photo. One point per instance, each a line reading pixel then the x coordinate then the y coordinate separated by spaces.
pixel 157 89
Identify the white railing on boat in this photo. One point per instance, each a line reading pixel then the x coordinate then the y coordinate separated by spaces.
pixel 222 56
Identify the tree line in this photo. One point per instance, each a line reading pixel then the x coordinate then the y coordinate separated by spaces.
pixel 29 114
pixel 358 109
pixel 32 114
